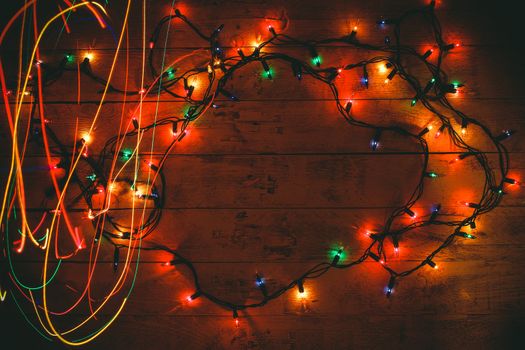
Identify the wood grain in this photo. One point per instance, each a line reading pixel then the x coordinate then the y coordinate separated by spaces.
pixel 271 184
pixel 248 83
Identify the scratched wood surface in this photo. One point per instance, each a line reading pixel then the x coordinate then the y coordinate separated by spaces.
pixel 272 183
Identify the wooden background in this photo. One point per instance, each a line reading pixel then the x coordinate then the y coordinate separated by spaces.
pixel 272 183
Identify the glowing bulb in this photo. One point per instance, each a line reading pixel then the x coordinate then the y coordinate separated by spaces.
pixel 382 68
pixel 302 295
pixel 470 204
pixel 440 130
pixel 236 318
pixel 410 213
pixel 432 264
pixel 87 138
pixel 194 296
pixel 89 56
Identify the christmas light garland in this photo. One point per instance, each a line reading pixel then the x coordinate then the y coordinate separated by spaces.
pixel 219 70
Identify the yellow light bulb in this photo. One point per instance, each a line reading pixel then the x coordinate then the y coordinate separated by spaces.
pixel 302 295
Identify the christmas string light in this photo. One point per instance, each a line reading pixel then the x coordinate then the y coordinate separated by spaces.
pixel 105 176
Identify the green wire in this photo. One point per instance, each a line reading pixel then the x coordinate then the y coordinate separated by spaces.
pixel 152 142
pixel 28 321
pixel 64 25
pixel 13 269
pixel 8 249
pixel 59 262
pixel 38 240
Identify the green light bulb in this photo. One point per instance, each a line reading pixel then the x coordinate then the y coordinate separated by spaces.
pixel 126 154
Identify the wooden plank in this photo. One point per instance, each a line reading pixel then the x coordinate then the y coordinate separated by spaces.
pixel 294 181
pixel 319 332
pixel 461 65
pixel 460 287
pixel 294 235
pixel 250 18
pixel 309 331
pixel 281 127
